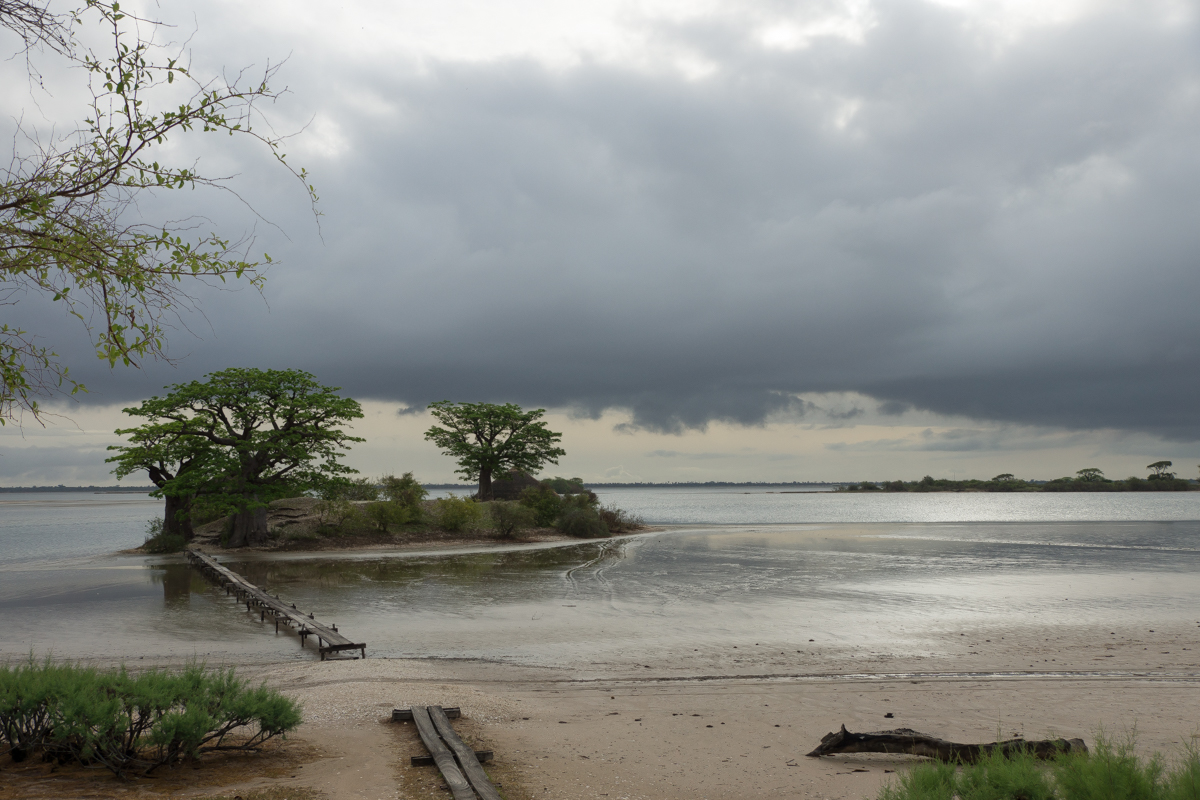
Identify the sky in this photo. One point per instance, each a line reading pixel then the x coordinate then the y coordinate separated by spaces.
pixel 746 241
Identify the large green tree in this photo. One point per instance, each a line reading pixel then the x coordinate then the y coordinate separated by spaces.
pixel 168 457
pixel 71 224
pixel 487 438
pixel 270 434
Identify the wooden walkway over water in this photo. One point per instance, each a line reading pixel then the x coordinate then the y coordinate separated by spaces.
pixel 329 640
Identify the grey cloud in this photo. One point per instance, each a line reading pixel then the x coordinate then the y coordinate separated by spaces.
pixel 998 233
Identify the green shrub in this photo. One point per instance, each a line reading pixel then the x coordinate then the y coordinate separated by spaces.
pixel 1000 777
pixel 544 501
pixel 384 513
pixel 134 723
pixel 925 781
pixel 508 517
pixel 456 513
pixel 565 485
pixel 616 520
pixel 360 489
pixel 404 491
pixel 158 541
pixel 1110 772
pixel 580 517
pixel 1183 783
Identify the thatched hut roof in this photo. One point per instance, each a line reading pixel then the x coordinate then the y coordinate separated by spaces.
pixel 511 485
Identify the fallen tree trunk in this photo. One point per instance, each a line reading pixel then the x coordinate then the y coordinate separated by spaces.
pixel 909 742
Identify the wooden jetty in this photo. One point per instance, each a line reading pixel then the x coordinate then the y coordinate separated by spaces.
pixel 458 763
pixel 328 638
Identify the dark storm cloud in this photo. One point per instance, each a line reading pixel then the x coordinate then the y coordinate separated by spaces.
pixel 999 229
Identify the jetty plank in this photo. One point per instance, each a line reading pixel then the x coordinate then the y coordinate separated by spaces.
pixel 427 761
pixel 479 779
pixel 459 786
pixel 406 714
pixel 328 638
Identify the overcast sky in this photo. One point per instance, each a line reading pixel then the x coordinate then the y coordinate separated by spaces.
pixel 718 240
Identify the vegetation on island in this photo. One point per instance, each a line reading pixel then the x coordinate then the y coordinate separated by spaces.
pixel 256 453
pixel 70 226
pixel 487 439
pixel 1111 771
pixel 1089 479
pixel 237 441
pixel 134 723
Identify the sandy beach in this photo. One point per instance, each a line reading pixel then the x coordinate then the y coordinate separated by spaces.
pixel 660 733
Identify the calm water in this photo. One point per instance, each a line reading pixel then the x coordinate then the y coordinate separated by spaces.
pixel 887 571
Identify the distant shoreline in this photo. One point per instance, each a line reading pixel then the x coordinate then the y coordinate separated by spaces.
pixel 96 489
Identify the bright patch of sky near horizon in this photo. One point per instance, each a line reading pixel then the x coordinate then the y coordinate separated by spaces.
pixel 867 446
pixel 832 441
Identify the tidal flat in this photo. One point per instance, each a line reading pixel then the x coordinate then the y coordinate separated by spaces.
pixel 957 628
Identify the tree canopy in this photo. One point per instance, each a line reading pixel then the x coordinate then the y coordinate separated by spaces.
pixel 167 456
pixel 70 225
pixel 487 438
pixel 267 434
pixel 1160 470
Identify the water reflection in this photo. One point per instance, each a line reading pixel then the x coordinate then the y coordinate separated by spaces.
pixel 179 582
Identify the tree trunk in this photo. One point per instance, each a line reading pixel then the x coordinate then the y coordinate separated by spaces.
pixel 249 528
pixel 485 484
pixel 910 742
pixel 176 508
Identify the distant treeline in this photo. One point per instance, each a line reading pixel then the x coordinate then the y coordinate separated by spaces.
pixel 709 484
pixel 1085 480
pixel 61 488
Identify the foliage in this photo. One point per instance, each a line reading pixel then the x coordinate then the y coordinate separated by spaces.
pixel 131 723
pixel 1089 474
pixel 580 517
pixel 1000 777
pixel 457 513
pixel 545 503
pixel 383 513
pixel 159 540
pixel 565 485
pixel 617 521
pixel 488 438
pixel 1112 771
pixel 925 781
pixel 1160 471
pixel 360 489
pixel 66 201
pixel 271 434
pixel 165 455
pixel 508 517
pixel 404 491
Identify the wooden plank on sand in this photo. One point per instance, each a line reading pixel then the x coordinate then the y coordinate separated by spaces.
pixel 406 714
pixel 480 782
pixel 442 756
pixel 427 761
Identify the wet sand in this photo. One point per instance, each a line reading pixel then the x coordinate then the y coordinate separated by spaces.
pixel 659 733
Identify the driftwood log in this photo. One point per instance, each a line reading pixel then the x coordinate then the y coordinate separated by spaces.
pixel 909 742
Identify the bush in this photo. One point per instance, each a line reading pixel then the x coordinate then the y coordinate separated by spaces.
pixel 360 489
pixel 565 485
pixel 456 513
pixel 382 514
pixel 616 520
pixel 545 502
pixel 134 723
pixel 158 541
pixel 404 491
pixel 1109 772
pixel 580 516
pixel 508 517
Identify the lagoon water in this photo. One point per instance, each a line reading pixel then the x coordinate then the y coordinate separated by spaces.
pixel 737 570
